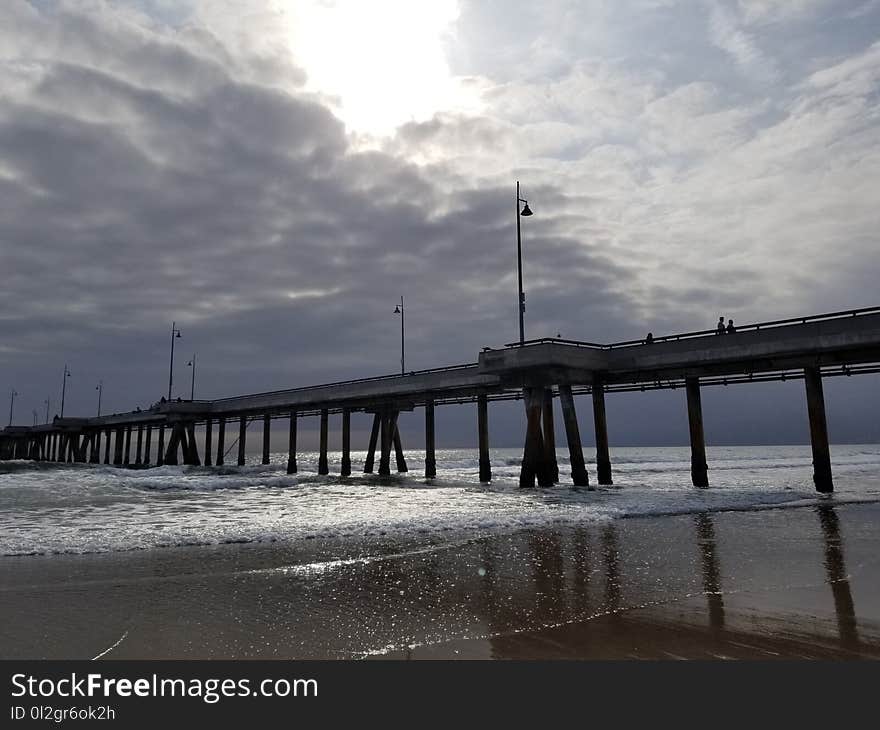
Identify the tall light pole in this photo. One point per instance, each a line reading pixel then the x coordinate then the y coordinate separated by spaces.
pixel 522 297
pixel 399 310
pixel 64 387
pixel 100 388
pixel 48 402
pixel 35 416
pixel 12 403
pixel 174 333
pixel 192 364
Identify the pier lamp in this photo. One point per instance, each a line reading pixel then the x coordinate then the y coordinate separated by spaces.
pixel 100 388
pixel 48 402
pixel 35 416
pixel 192 364
pixel 64 387
pixel 175 333
pixel 399 310
pixel 12 403
pixel 525 211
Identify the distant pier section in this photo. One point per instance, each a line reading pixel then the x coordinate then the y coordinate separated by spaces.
pixel 537 372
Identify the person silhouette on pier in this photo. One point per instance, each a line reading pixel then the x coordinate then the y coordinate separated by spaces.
pixel 730 328
pixel 720 329
pixel 649 339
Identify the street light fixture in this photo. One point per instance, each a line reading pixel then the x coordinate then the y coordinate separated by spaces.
pixel 48 402
pixel 64 388
pixel 12 403
pixel 526 211
pixel 100 388
pixel 192 364
pixel 175 333
pixel 399 310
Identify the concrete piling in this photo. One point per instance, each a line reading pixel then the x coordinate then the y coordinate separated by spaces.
pixel 371 448
pixel 291 445
pixel 483 437
pixel 221 441
pixel 346 443
pixel 323 466
pixel 160 451
pixel 822 477
pixel 208 441
pixel 550 463
pixel 430 453
pixel 242 438
pixel 579 475
pixel 267 432
pixel 699 468
pixel 147 445
pixel 603 457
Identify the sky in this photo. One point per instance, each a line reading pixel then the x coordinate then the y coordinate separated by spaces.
pixel 273 175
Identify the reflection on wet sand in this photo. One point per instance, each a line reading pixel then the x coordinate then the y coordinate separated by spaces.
pixel 835 568
pixel 740 585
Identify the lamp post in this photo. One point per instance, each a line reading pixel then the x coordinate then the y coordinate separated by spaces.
pixel 64 388
pixel 174 333
pixel 12 403
pixel 399 310
pixel 526 211
pixel 35 416
pixel 192 364
pixel 48 402
pixel 100 388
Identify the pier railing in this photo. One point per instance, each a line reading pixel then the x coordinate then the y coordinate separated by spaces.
pixel 701 333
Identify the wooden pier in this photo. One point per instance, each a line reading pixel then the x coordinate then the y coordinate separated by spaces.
pixel 538 371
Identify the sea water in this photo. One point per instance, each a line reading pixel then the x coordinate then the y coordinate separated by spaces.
pixel 50 508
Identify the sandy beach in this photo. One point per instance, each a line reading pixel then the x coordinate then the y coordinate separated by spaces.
pixel 772 583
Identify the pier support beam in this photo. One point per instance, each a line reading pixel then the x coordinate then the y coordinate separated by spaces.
pixel 138 455
pixel 221 440
pixel 126 459
pixel 291 445
pixel 160 451
pixel 818 430
pixel 191 452
pixel 699 468
pixel 242 438
pixel 385 447
pixel 483 437
pixel 147 445
pixel 398 448
pixel 208 440
pixel 579 475
pixel 550 463
pixel 603 457
pixel 117 447
pixel 371 449
pixel 323 467
pixel 346 443
pixel 533 463
pixel 95 456
pixel 267 433
pixel 430 453
pixel 173 444
pixel 107 446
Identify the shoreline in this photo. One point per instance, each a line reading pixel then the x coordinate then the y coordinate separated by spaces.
pixel 797 582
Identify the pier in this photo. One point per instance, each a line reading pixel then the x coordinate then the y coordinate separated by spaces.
pixel 536 371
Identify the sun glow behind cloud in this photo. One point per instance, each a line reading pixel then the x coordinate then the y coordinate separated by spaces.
pixel 383 62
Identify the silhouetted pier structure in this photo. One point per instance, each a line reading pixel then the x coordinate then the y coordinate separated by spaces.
pixel 809 348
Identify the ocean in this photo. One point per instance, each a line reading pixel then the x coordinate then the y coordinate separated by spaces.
pixel 56 509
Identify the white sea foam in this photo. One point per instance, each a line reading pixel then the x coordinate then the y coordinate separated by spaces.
pixel 82 508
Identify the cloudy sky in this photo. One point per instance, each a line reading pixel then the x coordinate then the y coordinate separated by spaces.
pixel 273 174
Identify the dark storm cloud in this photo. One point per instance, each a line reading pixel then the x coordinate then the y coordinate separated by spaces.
pixel 143 184
pixel 153 172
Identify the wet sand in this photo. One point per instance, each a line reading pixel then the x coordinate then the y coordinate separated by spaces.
pixel 776 583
